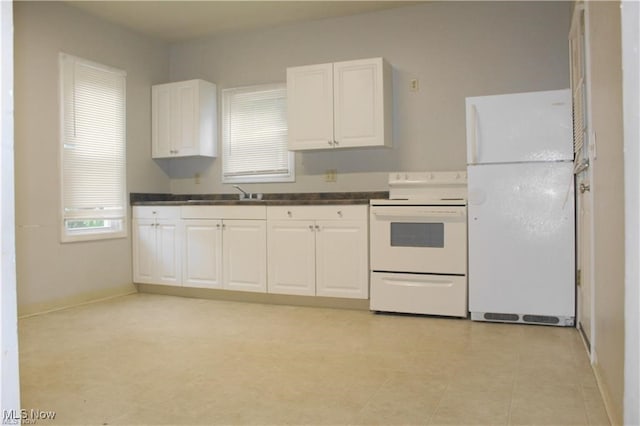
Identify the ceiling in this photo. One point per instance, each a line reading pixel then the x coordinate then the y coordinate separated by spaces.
pixel 175 21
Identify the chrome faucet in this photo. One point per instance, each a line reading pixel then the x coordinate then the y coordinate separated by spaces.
pixel 247 195
pixel 244 194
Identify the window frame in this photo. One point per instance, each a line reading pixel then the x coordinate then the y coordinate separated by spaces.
pixel 112 227
pixel 254 178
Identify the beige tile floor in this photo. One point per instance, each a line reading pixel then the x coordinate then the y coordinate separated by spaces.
pixel 150 359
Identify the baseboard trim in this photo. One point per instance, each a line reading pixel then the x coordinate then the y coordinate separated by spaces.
pixel 36 309
pixel 251 297
pixel 614 414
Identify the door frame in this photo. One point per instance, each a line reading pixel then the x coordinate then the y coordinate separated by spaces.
pixel 10 382
pixel 586 263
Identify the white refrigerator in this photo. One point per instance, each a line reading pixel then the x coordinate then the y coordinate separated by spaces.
pixel 521 208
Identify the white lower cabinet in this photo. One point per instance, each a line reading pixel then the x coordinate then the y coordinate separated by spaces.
pixel 342 266
pixel 244 255
pixel 225 253
pixel 202 261
pixel 318 250
pixel 292 257
pixel 312 250
pixel 156 245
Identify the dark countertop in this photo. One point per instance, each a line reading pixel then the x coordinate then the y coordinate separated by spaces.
pixel 281 199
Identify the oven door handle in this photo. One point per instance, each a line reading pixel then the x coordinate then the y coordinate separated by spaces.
pixel 416 212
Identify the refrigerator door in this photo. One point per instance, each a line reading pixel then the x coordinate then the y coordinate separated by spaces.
pixel 521 127
pixel 521 239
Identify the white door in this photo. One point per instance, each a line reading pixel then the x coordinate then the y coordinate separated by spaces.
pixel 584 201
pixel 144 250
pixel 161 120
pixel 584 248
pixel 519 127
pixel 185 119
pixel 292 257
pixel 341 259
pixel 521 239
pixel 168 244
pixel 310 107
pixel 202 254
pixel 358 103
pixel 244 255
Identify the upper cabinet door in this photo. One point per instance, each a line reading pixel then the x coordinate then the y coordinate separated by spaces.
pixel 339 105
pixel 161 120
pixel 185 131
pixel 184 119
pixel 310 106
pixel 360 118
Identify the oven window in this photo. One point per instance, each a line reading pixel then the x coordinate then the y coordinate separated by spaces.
pixel 405 234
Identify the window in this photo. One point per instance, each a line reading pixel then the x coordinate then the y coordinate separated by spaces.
pixel 92 147
pixel 254 135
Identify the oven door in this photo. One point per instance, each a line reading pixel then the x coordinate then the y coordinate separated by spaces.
pixel 419 239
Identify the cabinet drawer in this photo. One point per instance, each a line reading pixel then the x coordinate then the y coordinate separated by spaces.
pixel 224 212
pixel 332 212
pixel 156 212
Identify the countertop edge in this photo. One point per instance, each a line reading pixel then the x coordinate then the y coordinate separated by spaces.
pixel 280 199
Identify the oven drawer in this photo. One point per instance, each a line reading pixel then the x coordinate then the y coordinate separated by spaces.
pixel 419 294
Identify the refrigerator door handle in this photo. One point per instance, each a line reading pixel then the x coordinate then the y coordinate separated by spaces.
pixel 474 140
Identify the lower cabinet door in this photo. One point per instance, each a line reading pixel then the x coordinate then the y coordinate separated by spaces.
pixel 144 250
pixel 168 253
pixel 202 254
pixel 244 255
pixel 292 257
pixel 342 268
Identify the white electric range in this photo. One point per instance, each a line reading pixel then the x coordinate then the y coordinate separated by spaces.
pixel 418 241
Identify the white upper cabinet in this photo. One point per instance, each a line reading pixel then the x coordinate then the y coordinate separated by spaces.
pixel 340 105
pixel 184 119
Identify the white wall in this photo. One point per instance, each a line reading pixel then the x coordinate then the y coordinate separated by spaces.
pixel 51 274
pixel 9 384
pixel 455 49
pixel 608 198
pixel 631 87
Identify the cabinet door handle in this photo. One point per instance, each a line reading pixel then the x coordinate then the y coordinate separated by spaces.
pixel 289 213
pixel 340 213
pixel 218 226
pixel 317 228
pixel 311 228
pixel 335 143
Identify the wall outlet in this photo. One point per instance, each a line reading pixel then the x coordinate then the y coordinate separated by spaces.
pixel 331 175
pixel 196 178
pixel 414 85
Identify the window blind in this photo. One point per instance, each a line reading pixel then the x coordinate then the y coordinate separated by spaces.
pixel 255 134
pixel 93 140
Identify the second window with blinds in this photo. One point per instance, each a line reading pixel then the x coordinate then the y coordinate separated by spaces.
pixel 254 135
